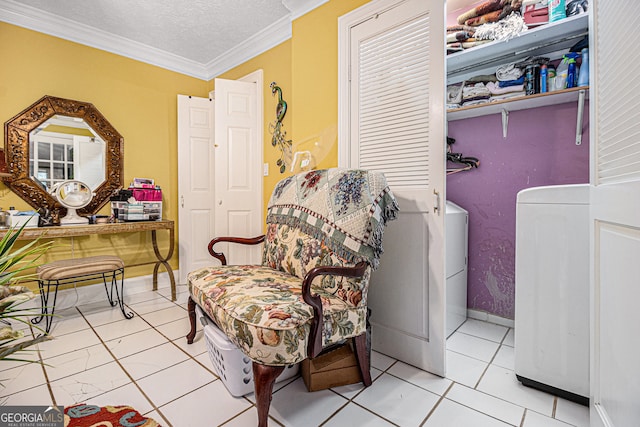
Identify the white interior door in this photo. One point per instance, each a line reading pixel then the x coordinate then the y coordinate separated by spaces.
pixel 238 183
pixel 392 76
pixel 196 182
pixel 615 117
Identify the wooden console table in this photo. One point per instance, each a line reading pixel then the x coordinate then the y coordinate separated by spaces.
pixel 115 228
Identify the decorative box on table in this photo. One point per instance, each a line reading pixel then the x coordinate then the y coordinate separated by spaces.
pixel 138 211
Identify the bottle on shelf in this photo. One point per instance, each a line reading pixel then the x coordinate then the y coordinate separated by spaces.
pixel 566 75
pixel 571 73
pixel 583 77
pixel 561 74
pixel 543 78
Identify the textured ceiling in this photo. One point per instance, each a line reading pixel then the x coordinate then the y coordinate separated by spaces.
pixel 198 30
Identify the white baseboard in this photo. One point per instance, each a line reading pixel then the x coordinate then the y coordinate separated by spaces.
pixel 71 297
pixel 491 318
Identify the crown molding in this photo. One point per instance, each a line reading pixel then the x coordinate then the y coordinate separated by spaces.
pixel 300 7
pixel 266 39
pixel 34 19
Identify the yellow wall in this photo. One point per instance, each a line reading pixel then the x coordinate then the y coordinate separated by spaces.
pixel 315 79
pixel 138 99
pixel 306 68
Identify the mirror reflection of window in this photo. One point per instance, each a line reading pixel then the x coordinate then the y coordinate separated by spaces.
pixel 66 148
pixel 52 163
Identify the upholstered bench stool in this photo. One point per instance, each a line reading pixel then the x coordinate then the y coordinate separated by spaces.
pixel 80 269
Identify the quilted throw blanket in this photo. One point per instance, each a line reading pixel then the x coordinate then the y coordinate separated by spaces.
pixel 346 209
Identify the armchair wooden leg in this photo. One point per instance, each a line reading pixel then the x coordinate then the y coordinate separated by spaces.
pixel 191 308
pixel 263 379
pixel 362 354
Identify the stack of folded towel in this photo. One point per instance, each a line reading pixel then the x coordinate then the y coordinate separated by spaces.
pixel 460 37
pixel 489 11
pixel 507 82
pixel 473 27
pixel 510 83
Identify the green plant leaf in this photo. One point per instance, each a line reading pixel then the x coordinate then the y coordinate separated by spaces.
pixel 7 350
pixel 12 264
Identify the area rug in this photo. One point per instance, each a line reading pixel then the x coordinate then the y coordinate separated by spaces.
pixel 83 415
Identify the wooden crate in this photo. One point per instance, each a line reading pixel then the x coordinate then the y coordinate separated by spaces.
pixel 334 368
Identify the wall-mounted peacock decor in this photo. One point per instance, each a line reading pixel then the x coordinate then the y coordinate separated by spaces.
pixel 279 138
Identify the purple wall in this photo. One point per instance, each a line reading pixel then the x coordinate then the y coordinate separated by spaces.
pixel 539 150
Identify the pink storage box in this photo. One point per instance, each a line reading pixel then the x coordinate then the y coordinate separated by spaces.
pixel 535 12
pixel 147 194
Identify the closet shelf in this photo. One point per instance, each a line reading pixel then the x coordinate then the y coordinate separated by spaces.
pixel 543 40
pixel 519 103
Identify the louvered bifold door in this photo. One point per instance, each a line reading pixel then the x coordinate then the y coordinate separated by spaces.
pixel 615 200
pixel 396 126
pixel 394 104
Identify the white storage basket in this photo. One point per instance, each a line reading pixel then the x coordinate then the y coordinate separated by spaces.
pixel 229 362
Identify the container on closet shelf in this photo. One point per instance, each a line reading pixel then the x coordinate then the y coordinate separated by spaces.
pixel 583 77
pixel 557 10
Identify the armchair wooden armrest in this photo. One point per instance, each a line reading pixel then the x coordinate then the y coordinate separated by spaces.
pixel 315 336
pixel 242 240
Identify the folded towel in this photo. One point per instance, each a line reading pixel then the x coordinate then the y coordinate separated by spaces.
pixel 475 91
pixel 456 28
pixel 484 19
pixel 482 9
pixel 454 93
pixel 458 36
pixel 505 96
pixel 484 78
pixel 496 89
pixel 508 72
pixel 516 82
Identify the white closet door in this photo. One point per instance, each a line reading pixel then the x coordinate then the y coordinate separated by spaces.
pixel 196 182
pixel 396 125
pixel 615 373
pixel 238 183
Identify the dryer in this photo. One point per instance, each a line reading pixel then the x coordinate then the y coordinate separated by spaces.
pixel 456 243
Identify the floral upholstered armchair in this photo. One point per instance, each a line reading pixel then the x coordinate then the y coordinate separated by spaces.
pixel 324 237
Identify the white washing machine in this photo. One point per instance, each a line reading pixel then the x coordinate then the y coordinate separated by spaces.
pixel 456 243
pixel 552 290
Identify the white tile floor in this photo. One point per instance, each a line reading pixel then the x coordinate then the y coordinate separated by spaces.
pixel 99 358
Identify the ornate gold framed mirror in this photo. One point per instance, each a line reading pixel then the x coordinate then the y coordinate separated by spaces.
pixel 57 139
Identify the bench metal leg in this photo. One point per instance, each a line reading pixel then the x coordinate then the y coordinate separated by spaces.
pixel 44 303
pixel 115 294
pixel 119 294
